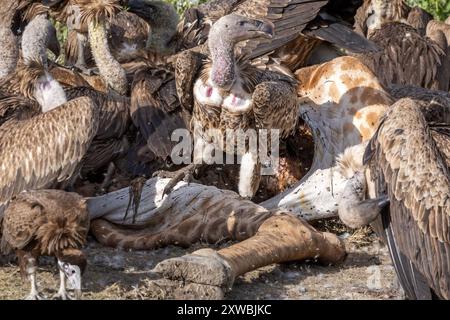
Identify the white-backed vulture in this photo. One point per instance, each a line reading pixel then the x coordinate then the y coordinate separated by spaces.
pixel 47 222
pixel 385 23
pixel 405 177
pixel 408 162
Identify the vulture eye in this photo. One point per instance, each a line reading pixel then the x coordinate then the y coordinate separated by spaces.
pixel 241 23
pixel 258 24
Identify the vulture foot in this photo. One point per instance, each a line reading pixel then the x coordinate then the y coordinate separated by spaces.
pixel 185 174
pixel 62 296
pixel 135 193
pixel 35 296
pixel 203 270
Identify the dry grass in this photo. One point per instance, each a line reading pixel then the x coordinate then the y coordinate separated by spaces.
pixel 114 274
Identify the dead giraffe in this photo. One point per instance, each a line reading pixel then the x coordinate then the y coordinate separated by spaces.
pixel 342 101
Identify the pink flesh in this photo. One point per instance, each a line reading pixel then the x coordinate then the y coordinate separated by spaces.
pixel 209 91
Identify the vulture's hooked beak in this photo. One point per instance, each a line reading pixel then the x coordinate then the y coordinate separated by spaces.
pixel 265 29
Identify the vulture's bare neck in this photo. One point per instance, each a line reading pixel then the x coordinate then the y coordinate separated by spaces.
pixel 9 51
pixel 223 71
pixel 35 40
pixel 110 69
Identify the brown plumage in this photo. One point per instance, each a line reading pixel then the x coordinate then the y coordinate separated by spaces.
pixel 402 44
pixel 46 149
pixel 114 120
pixel 407 164
pixel 289 17
pixel 46 223
pixel 156 110
pixel 373 14
pixel 435 105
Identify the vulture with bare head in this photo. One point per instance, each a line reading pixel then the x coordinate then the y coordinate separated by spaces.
pixel 231 95
pixel 300 26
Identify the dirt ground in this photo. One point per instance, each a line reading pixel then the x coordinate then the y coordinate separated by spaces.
pixel 367 273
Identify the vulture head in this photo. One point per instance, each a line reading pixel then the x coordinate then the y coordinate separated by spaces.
pixel 355 211
pixel 163 21
pixel 72 262
pixel 38 36
pixel 224 35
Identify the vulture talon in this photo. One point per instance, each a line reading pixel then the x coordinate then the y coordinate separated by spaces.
pixel 35 296
pixel 185 174
pixel 135 193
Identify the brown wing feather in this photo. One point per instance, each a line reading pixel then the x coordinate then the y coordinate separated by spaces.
pixel 435 105
pixel 275 104
pixel 407 164
pixel 402 44
pixel 47 148
pixel 289 17
pixel 187 67
pixel 156 110
pixel 17 108
pixel 114 111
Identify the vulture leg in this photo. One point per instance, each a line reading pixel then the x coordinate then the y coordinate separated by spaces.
pixel 249 176
pixel 28 266
pixel 62 292
pixel 280 238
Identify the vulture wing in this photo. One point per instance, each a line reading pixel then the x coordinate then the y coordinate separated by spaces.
pixel 407 165
pixel 290 17
pixel 16 108
pixel 47 148
pixel 400 45
pixel 156 110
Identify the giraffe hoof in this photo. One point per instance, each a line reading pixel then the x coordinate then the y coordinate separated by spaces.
pixel 203 267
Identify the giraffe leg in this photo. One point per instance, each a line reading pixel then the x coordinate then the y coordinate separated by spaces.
pixel 280 238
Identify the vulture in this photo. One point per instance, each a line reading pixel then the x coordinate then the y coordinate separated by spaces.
pixel 128 34
pixel 155 109
pixel 404 173
pixel 300 26
pixel 22 93
pixel 386 24
pixel 46 150
pixel 231 94
pixel 47 223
